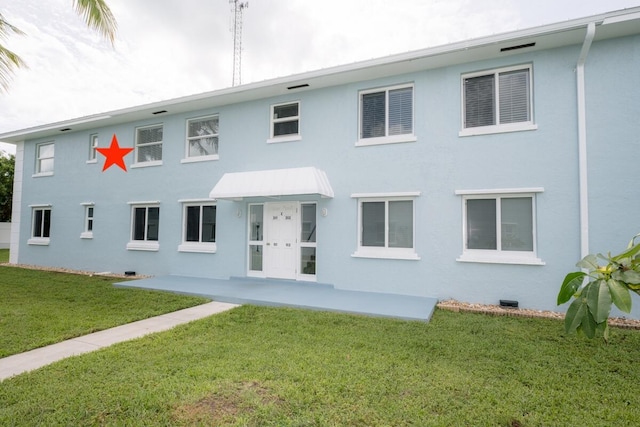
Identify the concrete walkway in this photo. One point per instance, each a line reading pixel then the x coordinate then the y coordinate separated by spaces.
pixel 34 359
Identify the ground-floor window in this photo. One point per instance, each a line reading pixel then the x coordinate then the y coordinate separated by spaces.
pixel 199 227
pixel 256 237
pixel 308 243
pixel 89 209
pixel 145 227
pixel 386 225
pixel 40 225
pixel 499 227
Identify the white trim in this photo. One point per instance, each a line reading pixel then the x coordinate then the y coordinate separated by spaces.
pixel 86 235
pixel 150 202
pixel 208 248
pixel 486 130
pixel 196 159
pixel 205 200
pixel 505 257
pixel 16 210
pixel 146 164
pixel 41 174
pixel 286 138
pixel 386 253
pixel 500 191
pixel 39 241
pixel 87 204
pixel 42 205
pixel 393 139
pixel 405 194
pixel 90 162
pixel 142 245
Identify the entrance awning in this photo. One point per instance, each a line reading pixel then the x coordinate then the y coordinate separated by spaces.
pixel 272 183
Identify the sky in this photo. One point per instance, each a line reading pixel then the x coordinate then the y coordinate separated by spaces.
pixel 171 48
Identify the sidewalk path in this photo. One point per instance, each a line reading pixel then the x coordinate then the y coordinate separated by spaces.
pixel 34 359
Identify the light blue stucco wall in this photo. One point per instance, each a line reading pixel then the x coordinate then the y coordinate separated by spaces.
pixel 437 164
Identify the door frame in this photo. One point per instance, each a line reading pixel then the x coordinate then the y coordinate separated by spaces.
pixel 256 248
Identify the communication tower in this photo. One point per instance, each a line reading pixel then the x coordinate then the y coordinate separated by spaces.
pixel 236 27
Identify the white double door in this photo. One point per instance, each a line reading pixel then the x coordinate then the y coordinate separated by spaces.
pixel 281 246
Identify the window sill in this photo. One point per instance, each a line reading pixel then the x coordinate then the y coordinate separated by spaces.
pixel 139 245
pixel 146 164
pixel 91 162
pixel 41 174
pixel 86 235
pixel 200 159
pixel 286 138
pixel 500 258
pixel 486 130
pixel 205 248
pixel 39 241
pixel 395 139
pixel 386 254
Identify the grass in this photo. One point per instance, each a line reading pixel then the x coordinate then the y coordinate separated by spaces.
pixel 4 255
pixel 259 366
pixel 38 308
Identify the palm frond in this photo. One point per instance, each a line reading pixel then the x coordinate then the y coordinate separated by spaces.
pixel 97 16
pixel 8 59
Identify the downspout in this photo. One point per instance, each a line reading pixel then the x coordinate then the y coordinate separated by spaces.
pixel 582 142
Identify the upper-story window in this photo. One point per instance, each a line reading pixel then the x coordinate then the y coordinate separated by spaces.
pixel 497 101
pixel 386 115
pixel 285 122
pixel 44 158
pixel 202 139
pixel 149 145
pixel 93 144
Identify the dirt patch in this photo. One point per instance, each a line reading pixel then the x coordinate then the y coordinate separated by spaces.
pixel 496 310
pixel 224 406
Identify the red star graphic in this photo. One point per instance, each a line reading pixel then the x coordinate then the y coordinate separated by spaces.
pixel 114 155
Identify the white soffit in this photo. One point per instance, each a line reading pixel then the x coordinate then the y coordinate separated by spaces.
pixel 272 183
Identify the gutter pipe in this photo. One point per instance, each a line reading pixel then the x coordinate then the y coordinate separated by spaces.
pixel 582 142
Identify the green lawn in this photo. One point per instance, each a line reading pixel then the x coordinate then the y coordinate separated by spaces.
pixel 259 366
pixel 38 308
pixel 4 255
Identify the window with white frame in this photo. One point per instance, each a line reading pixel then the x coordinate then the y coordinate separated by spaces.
pixel 386 225
pixel 145 226
pixel 497 101
pixel 44 158
pixel 199 227
pixel 285 122
pixel 386 115
pixel 88 221
pixel 202 138
pixel 149 145
pixel 308 245
pixel 40 225
pixel 93 144
pixel 500 226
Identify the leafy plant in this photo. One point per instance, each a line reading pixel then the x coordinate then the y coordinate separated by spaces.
pixel 596 289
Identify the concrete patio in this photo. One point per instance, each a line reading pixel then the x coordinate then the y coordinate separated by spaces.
pixel 314 296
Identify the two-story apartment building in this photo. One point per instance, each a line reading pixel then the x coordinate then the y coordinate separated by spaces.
pixel 480 170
